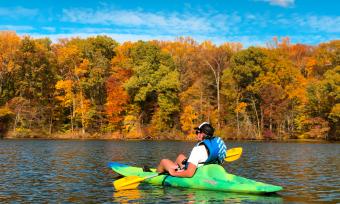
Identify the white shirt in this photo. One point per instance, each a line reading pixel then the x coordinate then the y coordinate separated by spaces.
pixel 198 154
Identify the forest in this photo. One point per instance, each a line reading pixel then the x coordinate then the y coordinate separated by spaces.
pixel 101 89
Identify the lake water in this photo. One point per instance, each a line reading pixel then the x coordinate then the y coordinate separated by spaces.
pixel 72 171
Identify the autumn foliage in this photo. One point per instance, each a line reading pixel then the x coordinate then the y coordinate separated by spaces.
pixel 163 89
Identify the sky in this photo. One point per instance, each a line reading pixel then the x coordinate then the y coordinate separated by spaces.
pixel 250 22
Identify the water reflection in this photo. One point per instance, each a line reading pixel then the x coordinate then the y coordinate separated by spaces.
pixel 179 195
pixel 64 171
pixel 125 196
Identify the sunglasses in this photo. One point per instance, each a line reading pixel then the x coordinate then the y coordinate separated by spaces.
pixel 197 132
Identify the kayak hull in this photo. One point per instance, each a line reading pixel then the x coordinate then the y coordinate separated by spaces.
pixel 208 177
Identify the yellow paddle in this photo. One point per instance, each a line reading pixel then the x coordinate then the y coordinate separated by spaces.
pixel 131 182
pixel 233 154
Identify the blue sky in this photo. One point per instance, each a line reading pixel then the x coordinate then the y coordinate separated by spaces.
pixel 251 22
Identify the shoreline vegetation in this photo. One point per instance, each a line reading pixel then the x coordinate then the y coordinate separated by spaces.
pixel 120 137
pixel 97 88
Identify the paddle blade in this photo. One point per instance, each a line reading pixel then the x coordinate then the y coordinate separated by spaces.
pixel 129 182
pixel 233 154
pixel 126 187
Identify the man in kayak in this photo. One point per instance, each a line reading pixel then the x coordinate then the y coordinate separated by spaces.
pixel 209 149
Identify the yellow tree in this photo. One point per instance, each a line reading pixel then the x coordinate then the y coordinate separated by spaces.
pixel 65 96
pixel 9 45
pixel 324 58
pixel 283 86
pixel 75 100
pixel 83 109
pixel 188 119
pixel 71 69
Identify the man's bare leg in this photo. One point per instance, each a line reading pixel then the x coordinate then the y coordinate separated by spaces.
pixel 165 165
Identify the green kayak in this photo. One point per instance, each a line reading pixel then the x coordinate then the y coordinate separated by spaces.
pixel 208 177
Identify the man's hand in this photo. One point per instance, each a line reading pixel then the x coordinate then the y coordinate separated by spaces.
pixel 172 172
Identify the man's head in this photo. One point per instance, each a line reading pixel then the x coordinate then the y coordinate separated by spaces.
pixel 205 128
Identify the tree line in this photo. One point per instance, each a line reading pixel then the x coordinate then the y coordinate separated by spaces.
pixel 163 89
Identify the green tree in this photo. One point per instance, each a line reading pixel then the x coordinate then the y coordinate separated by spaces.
pixel 246 66
pixel 154 86
pixel 98 51
pixel 324 99
pixel 34 76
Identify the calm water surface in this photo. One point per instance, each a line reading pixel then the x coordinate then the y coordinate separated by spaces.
pixel 68 171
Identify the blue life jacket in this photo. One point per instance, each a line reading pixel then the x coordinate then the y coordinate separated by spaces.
pixel 217 150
